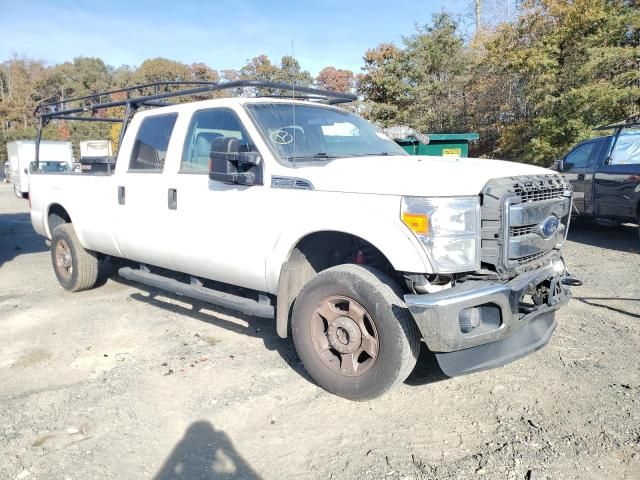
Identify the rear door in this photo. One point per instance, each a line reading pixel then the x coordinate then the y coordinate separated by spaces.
pixel 577 164
pixel 617 182
pixel 141 196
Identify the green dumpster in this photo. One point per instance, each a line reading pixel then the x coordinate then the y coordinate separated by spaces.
pixel 441 144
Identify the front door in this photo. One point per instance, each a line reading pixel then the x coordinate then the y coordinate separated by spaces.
pixel 576 166
pixel 221 231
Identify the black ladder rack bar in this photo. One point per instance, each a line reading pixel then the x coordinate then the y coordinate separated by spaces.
pixel 632 121
pixel 44 109
pixel 47 110
pixel 89 119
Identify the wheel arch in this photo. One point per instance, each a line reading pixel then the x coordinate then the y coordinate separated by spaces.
pixel 56 215
pixel 319 250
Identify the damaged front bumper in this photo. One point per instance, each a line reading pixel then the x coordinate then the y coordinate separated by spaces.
pixel 482 324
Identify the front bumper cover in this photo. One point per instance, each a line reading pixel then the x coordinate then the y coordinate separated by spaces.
pixel 515 334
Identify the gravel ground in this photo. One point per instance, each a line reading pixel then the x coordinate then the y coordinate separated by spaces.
pixel 119 382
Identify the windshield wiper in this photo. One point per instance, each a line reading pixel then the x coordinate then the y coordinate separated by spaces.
pixel 319 156
pixel 379 154
pixel 326 156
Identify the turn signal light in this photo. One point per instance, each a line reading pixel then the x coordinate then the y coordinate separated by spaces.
pixel 419 223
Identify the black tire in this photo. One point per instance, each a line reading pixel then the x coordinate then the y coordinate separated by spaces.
pixel 75 267
pixel 398 340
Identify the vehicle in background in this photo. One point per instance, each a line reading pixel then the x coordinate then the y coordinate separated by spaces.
pixel 96 156
pixel 605 173
pixel 302 211
pixel 51 167
pixel 55 157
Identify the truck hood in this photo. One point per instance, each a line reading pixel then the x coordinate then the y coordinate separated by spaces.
pixel 411 175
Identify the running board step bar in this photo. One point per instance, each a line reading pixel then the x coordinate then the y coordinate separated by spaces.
pixel 262 309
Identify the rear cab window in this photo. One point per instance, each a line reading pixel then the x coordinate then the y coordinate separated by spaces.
pixel 152 141
pixel 626 150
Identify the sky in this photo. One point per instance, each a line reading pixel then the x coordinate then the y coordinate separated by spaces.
pixel 224 34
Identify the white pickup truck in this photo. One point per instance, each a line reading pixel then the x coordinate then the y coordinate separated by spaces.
pixel 358 250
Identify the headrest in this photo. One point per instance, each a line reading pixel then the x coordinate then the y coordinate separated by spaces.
pixel 203 143
pixel 224 145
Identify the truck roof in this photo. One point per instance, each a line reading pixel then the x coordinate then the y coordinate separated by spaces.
pixel 227 102
pixel 31 142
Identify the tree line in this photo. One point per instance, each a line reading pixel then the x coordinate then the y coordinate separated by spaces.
pixel 532 84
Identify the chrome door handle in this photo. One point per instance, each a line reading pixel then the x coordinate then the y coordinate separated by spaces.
pixel 172 199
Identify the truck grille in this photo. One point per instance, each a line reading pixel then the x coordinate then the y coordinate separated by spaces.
pixel 519 227
pixel 532 258
pixel 522 230
pixel 538 195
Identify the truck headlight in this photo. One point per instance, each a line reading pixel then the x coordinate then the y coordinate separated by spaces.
pixel 449 229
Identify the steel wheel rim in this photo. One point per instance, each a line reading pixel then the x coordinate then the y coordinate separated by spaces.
pixel 64 263
pixel 344 336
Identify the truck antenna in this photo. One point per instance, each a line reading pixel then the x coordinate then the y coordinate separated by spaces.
pixel 293 106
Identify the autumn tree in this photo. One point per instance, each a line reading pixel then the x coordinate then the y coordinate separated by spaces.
pixel 382 84
pixel 336 79
pixel 573 66
pixel 291 72
pixel 259 68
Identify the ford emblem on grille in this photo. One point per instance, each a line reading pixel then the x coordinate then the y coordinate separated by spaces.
pixel 549 226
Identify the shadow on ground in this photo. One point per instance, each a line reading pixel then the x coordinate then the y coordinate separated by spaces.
pixel 17 237
pixel 623 238
pixel 205 453
pixel 426 371
pixel 263 329
pixel 590 301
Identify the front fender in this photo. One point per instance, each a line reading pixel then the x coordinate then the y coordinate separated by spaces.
pixel 374 218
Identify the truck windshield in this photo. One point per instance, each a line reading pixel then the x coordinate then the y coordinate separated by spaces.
pixel 627 147
pixel 314 133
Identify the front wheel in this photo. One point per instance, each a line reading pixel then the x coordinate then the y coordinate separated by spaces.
pixel 353 334
pixel 75 267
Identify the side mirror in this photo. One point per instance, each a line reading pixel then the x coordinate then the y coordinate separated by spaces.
pixel 26 171
pixel 228 165
pixel 561 165
pixel 249 158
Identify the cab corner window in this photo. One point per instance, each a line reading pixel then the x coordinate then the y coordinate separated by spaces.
pixel 626 150
pixel 151 144
pixel 209 131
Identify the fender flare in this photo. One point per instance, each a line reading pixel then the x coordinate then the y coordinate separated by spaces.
pixel 398 245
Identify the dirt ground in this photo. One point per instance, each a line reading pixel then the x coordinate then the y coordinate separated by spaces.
pixel 119 382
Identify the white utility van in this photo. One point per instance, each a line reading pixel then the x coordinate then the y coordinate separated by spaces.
pixel 54 157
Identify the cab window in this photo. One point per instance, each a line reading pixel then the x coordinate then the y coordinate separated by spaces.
pixel 151 144
pixel 626 150
pixel 579 157
pixel 208 129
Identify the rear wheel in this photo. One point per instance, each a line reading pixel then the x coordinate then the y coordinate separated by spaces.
pixel 75 267
pixel 352 333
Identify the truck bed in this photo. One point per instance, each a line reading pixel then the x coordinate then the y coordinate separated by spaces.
pixel 95 212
